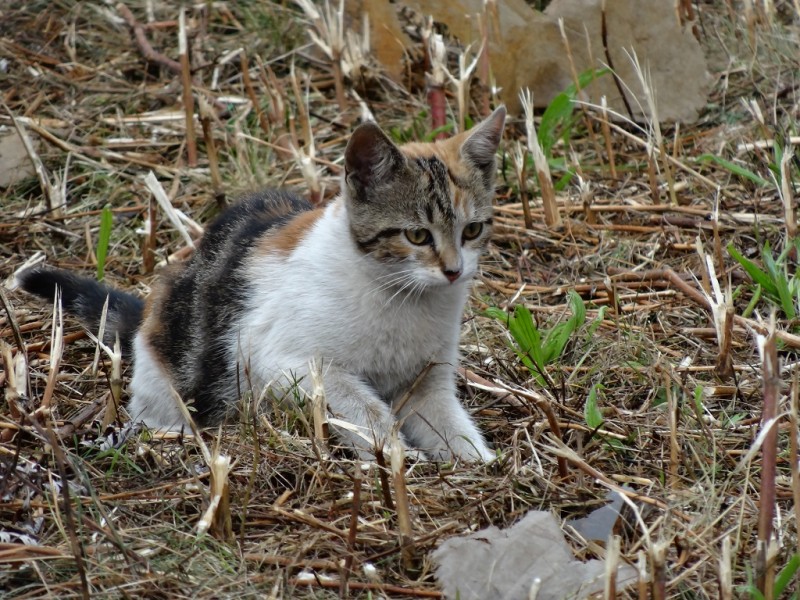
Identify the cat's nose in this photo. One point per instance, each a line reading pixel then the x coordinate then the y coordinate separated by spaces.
pixel 451 275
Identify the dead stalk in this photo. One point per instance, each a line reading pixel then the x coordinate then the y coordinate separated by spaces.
pixel 217 517
pixel 319 408
pixel 397 459
pixel 149 238
pixel 674 445
pixel 435 78
pixel 611 566
pixel 787 196
pixel 206 115
pixel 142 42
pixel 56 352
pixel 519 157
pixel 551 216
pixel 461 83
pixel 771 374
pixel 188 97
pixel 383 475
pixel 641 567
pixel 794 453
pixel 329 35
pixel 355 509
pixel 111 414
pixel 658 558
pixel 251 94
pixel 577 83
pixel 607 136
pixel 725 571
pixel 483 70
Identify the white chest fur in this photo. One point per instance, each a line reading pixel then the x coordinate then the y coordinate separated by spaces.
pixel 327 300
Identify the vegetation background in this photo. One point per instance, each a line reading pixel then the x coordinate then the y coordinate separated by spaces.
pixel 623 368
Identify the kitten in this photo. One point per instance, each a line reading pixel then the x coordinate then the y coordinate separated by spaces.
pixel 372 286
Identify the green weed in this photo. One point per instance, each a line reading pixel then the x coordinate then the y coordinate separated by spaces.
pixel 782 581
pixel 558 121
pixel 418 131
pixel 773 280
pixel 106 223
pixel 537 347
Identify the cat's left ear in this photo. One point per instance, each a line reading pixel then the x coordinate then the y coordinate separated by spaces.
pixel 482 141
pixel 371 158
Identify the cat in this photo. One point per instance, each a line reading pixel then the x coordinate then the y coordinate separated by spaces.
pixel 372 286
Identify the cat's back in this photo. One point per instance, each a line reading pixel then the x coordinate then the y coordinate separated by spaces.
pixel 194 308
pixel 239 227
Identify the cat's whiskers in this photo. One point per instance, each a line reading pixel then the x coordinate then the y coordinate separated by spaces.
pixel 409 281
pixel 397 278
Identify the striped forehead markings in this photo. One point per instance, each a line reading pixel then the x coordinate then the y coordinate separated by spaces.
pixel 438 184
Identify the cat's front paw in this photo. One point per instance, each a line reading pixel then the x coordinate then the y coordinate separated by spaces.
pixel 465 450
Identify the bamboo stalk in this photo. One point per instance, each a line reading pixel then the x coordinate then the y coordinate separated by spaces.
pixel 551 216
pixel 397 459
pixel 771 374
pixel 188 99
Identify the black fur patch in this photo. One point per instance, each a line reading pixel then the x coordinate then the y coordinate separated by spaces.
pixel 85 298
pixel 207 297
pixel 369 245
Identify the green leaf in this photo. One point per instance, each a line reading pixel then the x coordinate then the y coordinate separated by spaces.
pixel 751 306
pixel 557 112
pixel 527 341
pixel 756 274
pixel 591 412
pixel 597 321
pixel 735 169
pixel 780 280
pixel 785 577
pixel 585 78
pixel 446 128
pixel 698 399
pixel 106 223
pixel 526 334
pixel 556 339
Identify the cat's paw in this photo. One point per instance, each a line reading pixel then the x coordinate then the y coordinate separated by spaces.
pixel 465 450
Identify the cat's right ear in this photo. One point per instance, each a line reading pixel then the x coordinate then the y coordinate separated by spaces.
pixel 371 158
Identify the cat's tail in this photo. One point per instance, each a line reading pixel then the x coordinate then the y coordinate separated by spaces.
pixel 85 298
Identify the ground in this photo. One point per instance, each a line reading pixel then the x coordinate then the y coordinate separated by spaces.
pixel 642 397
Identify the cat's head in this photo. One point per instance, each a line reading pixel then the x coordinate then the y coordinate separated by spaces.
pixel 424 210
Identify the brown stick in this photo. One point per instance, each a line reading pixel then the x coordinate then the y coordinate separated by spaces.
pixel 188 98
pixel 724 360
pixel 211 151
pixel 251 94
pixel 769 450
pixel 142 42
pixel 794 452
pixel 401 499
pixel 607 136
pixel 355 508
pixel 675 280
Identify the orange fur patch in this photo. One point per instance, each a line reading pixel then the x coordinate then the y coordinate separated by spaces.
pixel 449 152
pixel 286 238
pixel 151 318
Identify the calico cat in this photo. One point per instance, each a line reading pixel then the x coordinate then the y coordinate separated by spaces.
pixel 372 286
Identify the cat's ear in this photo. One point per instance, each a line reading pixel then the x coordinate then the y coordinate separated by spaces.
pixel 371 157
pixel 482 141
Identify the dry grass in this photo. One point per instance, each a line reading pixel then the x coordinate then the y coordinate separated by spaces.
pixel 83 514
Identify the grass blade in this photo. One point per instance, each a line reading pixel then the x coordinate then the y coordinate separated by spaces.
pixel 106 223
pixel 735 169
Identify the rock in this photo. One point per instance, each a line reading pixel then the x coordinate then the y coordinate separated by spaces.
pixel 503 563
pixel 529 51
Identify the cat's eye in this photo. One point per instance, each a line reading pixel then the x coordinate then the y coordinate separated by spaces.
pixel 418 237
pixel 472 230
